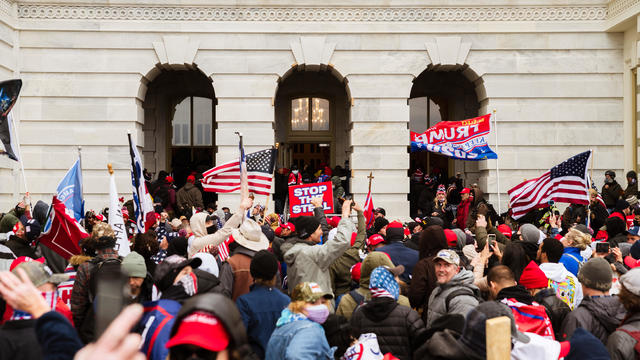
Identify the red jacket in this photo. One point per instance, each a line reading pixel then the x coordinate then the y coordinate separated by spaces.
pixel 463 213
pixel 294 179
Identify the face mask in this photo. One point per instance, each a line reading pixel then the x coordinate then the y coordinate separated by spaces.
pixel 608 181
pixel 318 313
pixel 212 229
pixel 633 181
pixel 295 172
pixel 188 284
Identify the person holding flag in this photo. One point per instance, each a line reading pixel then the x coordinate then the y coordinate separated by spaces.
pixel 142 203
pixel 116 221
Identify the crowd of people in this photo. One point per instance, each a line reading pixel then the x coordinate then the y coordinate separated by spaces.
pixel 207 283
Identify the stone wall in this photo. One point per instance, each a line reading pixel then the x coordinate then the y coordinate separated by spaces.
pixel 551 72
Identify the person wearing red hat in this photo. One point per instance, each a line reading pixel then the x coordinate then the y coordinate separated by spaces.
pixel 505 230
pixel 537 283
pixel 463 208
pixel 375 241
pixel 452 238
pixel 285 230
pixel 188 197
pixel 398 252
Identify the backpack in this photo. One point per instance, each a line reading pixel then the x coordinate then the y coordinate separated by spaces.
pixel 461 291
pixel 531 318
pixel 357 297
pixel 636 336
pixel 155 327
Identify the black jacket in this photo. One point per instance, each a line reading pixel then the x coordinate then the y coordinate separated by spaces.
pixel 207 283
pixel 57 337
pixel 598 215
pixel 396 326
pixel 518 292
pixel 557 309
pixel 20 247
pixel 611 194
pixel 599 315
pixel 18 340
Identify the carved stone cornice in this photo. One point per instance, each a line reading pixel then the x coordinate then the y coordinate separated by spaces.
pixel 315 14
pixel 617 7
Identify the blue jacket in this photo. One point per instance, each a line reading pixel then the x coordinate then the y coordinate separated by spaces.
pixel 571 259
pixel 260 309
pixel 58 339
pixel 298 338
pixel 401 255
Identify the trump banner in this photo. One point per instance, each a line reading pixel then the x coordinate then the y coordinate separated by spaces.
pixel 300 197
pixel 464 140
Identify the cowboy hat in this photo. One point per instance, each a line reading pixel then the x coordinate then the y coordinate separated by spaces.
pixel 250 235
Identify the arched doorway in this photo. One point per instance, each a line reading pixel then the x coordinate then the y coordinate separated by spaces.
pixel 179 123
pixel 439 96
pixel 312 109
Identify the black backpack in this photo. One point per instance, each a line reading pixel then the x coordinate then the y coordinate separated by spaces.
pixel 462 291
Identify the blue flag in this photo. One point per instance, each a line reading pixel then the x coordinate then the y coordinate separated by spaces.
pixel 70 191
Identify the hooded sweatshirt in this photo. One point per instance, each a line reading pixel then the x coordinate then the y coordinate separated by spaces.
pixel 200 237
pixel 566 285
pixel 600 315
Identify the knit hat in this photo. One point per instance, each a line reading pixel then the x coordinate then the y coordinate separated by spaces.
pixel 530 233
pixel 441 189
pixel 383 284
pixel 133 265
pixel 176 222
pixel 596 274
pixel 505 230
pixel 474 334
pixel 379 223
pixel 584 345
pixel 264 265
pixel 452 238
pixel 632 200
pixel 306 226
pixel 583 229
pixel 631 281
pixel 395 231
pixel 533 278
pixel 32 229
pixel 621 205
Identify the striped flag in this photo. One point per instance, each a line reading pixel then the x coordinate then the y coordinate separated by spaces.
pixel 567 182
pixel 368 210
pixel 142 203
pixel 223 248
pixel 225 178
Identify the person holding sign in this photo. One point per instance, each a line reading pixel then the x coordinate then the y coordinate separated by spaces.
pixel 307 261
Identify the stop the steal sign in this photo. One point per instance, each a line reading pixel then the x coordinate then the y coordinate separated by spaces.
pixel 300 197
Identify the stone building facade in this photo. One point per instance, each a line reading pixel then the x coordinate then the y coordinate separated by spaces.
pixel 183 76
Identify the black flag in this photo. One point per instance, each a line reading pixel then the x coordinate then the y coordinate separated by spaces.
pixel 9 91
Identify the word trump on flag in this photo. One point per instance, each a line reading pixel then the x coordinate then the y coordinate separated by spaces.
pixel 464 140
pixel 300 197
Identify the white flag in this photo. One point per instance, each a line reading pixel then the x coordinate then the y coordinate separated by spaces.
pixel 115 219
pixel 142 203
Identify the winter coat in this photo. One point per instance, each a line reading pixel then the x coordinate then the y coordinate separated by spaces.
pixel 483 233
pixel 260 309
pixel 233 285
pixel 6 258
pixel 18 340
pixel 600 315
pixel 599 215
pixel 423 282
pixel 57 337
pixel 8 221
pixel 396 326
pixel 460 304
pixel 205 283
pixel 338 190
pixel 572 259
pixel 341 268
pixel 631 190
pixel 298 338
pixel 566 285
pixel 20 247
pixel 443 212
pixel 348 304
pixel 462 213
pixel 307 261
pixel 401 255
pixel 202 239
pixel 611 194
pixel 442 345
pixel 188 196
pixel 621 345
pixel 557 310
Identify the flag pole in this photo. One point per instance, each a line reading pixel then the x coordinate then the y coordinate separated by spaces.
pixel 495 130
pixel 589 185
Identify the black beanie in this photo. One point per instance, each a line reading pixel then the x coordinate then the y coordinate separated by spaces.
pixel 264 265
pixel 379 223
pixel 306 225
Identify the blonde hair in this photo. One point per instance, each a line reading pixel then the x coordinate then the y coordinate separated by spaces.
pixel 578 239
pixel 297 306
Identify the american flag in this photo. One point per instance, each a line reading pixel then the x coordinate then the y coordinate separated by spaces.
pixel 226 177
pixel 567 182
pixel 598 196
pixel 223 248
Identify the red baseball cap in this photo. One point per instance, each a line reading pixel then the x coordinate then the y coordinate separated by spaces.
pixel 394 224
pixel 191 179
pixel 353 238
pixel 465 191
pixel 201 329
pixel 278 230
pixel 375 239
pixel 452 238
pixel 355 271
pixel 23 259
pixel 333 221
pixel 505 230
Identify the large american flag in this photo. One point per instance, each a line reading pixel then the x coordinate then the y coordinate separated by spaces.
pixel 567 182
pixel 226 177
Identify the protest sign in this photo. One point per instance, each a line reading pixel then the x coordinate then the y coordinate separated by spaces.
pixel 300 197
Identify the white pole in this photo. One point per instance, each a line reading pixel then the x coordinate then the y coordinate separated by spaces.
pixel 20 159
pixel 495 130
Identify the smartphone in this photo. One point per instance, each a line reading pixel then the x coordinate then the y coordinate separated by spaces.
pixel 602 248
pixel 491 238
pixel 112 289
